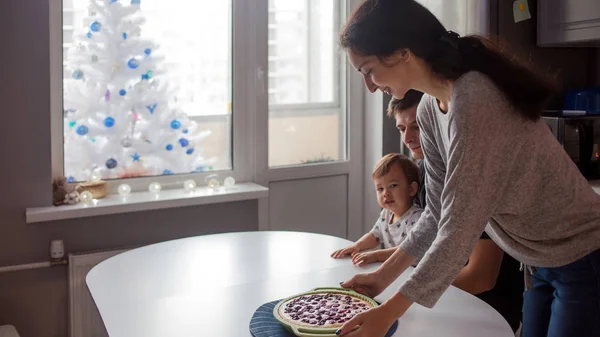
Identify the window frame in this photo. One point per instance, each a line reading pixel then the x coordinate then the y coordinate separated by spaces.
pixel 243 80
pixel 336 71
pixel 343 101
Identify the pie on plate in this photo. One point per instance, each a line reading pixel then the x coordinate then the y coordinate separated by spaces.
pixel 329 309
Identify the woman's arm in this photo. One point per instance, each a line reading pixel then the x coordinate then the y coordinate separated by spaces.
pixel 383 254
pixel 475 177
pixel 372 284
pixel 481 272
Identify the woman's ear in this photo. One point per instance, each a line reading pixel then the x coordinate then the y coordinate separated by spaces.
pixel 414 188
pixel 398 57
pixel 404 55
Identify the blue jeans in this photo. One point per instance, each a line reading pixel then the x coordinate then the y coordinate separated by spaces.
pixel 564 301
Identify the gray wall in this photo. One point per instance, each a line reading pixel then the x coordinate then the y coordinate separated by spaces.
pixel 36 301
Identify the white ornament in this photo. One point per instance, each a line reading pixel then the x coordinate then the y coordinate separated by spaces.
pixel 126 141
pixel 154 187
pixel 189 185
pixel 212 181
pixel 86 197
pixel 95 176
pixel 229 181
pixel 124 190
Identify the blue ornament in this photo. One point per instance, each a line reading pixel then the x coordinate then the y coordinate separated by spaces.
pixel 145 77
pixel 71 179
pixel 111 163
pixel 95 26
pixel 113 1
pixel 89 35
pixel 77 74
pixel 200 169
pixel 151 107
pixel 169 147
pixel 167 172
pixel 122 92
pixel 147 51
pixel 109 122
pixel 135 2
pixel 133 63
pixel 184 142
pixel 136 157
pixel 175 124
pixel 190 150
pixel 124 36
pixel 185 131
pixel 82 130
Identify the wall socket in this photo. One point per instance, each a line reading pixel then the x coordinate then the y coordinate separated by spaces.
pixel 57 250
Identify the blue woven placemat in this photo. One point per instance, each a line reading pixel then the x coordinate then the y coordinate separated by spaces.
pixel 264 324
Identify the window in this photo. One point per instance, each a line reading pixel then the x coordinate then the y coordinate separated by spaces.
pixel 307 122
pixel 147 87
pixel 155 88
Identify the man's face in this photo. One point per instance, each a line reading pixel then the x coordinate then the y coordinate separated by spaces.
pixel 406 122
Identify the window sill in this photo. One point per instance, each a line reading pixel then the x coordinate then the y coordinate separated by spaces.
pixel 146 201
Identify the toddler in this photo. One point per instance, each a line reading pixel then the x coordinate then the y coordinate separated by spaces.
pixel 396 180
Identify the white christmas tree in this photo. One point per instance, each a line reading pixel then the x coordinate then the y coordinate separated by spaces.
pixel 120 120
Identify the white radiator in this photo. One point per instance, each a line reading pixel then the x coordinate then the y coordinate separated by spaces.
pixel 84 318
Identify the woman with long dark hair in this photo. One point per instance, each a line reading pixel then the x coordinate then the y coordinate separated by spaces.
pixel 492 165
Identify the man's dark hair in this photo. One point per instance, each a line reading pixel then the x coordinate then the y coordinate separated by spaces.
pixel 410 99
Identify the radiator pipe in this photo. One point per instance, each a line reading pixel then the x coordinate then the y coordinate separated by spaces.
pixel 36 265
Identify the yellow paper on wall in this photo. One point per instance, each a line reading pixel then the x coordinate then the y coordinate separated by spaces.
pixel 521 10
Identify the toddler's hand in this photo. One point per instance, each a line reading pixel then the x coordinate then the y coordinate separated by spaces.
pixel 364 258
pixel 350 250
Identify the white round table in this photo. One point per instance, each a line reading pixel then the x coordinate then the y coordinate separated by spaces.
pixel 211 285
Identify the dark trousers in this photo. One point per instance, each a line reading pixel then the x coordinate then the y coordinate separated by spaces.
pixel 564 301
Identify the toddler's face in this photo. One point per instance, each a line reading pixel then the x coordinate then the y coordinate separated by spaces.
pixel 393 190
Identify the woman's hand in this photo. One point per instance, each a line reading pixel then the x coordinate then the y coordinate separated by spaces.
pixel 372 323
pixel 367 284
pixel 365 258
pixel 377 321
pixel 350 250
